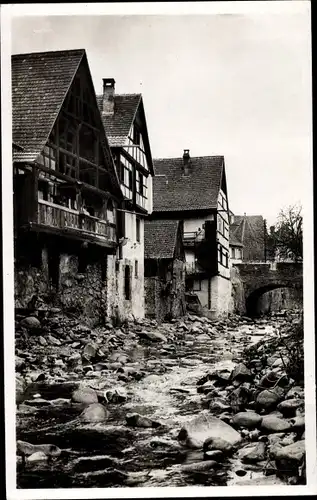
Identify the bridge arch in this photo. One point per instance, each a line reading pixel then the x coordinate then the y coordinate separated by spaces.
pixel 253 298
pixel 260 277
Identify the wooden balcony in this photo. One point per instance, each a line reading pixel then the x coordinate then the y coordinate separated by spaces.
pixel 62 220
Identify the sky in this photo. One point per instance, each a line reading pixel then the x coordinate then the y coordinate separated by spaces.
pixel 237 85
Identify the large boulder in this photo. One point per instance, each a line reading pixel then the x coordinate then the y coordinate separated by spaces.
pixel 269 397
pixel 31 323
pixel 85 395
pixel 293 452
pixel 271 423
pixel 248 419
pixel 95 412
pixel 289 406
pixel 206 426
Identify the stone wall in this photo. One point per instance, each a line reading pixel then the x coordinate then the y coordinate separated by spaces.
pixel 165 294
pixel 280 299
pixel 77 289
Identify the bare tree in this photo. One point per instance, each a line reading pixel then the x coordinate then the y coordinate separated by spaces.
pixel 286 238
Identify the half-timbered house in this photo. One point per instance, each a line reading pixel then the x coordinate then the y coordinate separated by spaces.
pixel 125 125
pixel 66 189
pixel 194 189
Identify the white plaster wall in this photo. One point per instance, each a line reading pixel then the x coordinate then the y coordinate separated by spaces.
pixel 193 224
pixel 117 305
pixel 220 296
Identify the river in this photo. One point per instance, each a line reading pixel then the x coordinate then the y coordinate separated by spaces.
pixel 112 454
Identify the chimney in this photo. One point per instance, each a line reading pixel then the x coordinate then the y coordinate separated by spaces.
pixel 186 161
pixel 108 96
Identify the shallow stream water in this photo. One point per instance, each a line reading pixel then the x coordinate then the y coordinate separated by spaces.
pixel 113 454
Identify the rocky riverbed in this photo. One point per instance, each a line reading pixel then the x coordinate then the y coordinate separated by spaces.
pixel 191 402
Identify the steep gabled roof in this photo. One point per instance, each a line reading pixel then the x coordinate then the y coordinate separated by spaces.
pixel 233 240
pixel 174 191
pixel 117 125
pixel 40 82
pixel 160 238
pixel 249 230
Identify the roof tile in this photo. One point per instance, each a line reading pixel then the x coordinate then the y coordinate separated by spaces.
pixel 160 238
pixel 40 82
pixel 117 125
pixel 199 189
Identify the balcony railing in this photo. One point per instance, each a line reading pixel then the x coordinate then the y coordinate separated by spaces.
pixel 193 268
pixel 59 217
pixel 192 237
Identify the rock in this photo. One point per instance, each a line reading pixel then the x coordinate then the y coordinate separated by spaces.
pixel 269 379
pixel 239 398
pixel 248 419
pixel 117 395
pixel 74 359
pixel 295 392
pixel 252 453
pixel 254 435
pixel 269 397
pixel 31 323
pixel 89 351
pixel 37 402
pixel 241 373
pixel 214 455
pixel 219 405
pixel 289 406
pixel 217 443
pixel 298 423
pixel 37 376
pixel 95 412
pixel 85 395
pixel 38 456
pixel 42 340
pixel 294 452
pixel 19 390
pixel 19 363
pixel 199 466
pixel 271 423
pixel 24 448
pixel 153 336
pixel 136 420
pixel 54 340
pixel 206 426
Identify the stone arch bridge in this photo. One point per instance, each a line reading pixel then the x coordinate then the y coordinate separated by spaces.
pixel 259 278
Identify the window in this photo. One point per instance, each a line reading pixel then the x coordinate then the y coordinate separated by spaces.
pixel 138 229
pixel 226 259
pixel 127 285
pixel 197 286
pixel 136 269
pixel 232 253
pixel 136 135
pixel 130 179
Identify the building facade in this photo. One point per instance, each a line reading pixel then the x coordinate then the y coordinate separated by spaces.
pixel 164 270
pixel 125 125
pixel 250 232
pixel 66 190
pixel 194 190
